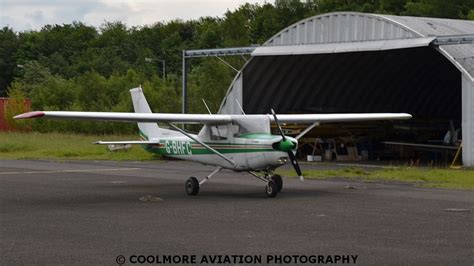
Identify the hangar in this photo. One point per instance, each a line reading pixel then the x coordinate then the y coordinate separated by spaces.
pixel 347 62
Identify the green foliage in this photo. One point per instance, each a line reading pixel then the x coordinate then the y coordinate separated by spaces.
pixel 9 44
pixel 439 8
pixel 66 146
pixel 78 67
pixel 209 81
pixel 428 177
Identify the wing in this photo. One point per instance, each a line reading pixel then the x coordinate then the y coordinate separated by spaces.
pixel 125 142
pixel 313 118
pixel 130 117
pixel 211 119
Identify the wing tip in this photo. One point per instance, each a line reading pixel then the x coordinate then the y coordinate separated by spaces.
pixel 28 115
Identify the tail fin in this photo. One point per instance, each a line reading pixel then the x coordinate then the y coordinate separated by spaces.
pixel 140 105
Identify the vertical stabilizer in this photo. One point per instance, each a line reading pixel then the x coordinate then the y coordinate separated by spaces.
pixel 140 105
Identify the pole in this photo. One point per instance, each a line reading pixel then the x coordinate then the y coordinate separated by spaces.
pixel 184 80
pixel 164 68
pixel 163 63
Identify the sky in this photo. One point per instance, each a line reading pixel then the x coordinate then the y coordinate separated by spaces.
pixel 24 15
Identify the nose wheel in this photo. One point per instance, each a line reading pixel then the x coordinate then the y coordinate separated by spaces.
pixel 271 189
pixel 273 183
pixel 278 181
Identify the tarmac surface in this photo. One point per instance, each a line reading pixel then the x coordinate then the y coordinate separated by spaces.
pixel 90 212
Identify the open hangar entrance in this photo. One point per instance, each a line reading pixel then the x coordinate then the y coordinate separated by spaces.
pixel 350 62
pixel 419 81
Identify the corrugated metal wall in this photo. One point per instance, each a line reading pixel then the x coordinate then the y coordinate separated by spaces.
pixel 4 126
pixel 353 26
pixel 419 81
pixel 340 27
pixel 470 87
pixel 468 121
pixel 4 123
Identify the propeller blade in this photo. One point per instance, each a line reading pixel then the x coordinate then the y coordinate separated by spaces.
pixel 290 153
pixel 278 124
pixel 295 165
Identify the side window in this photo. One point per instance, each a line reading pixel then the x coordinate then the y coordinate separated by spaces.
pixel 218 132
pixel 239 130
pixel 235 130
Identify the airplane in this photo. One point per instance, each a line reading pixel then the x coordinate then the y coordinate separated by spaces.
pixel 238 142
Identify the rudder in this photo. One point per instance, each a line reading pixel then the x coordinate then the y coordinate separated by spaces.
pixel 140 105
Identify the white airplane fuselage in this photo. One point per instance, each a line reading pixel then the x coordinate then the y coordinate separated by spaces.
pixel 249 152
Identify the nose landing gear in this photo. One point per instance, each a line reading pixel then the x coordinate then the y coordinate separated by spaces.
pixel 273 183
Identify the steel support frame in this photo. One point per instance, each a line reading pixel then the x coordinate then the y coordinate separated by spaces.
pixel 236 51
pixel 454 39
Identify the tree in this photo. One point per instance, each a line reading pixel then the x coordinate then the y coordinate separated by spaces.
pixel 439 8
pixel 57 47
pixel 209 81
pixel 78 67
pixel 9 44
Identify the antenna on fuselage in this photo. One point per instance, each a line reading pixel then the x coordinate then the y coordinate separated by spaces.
pixel 207 107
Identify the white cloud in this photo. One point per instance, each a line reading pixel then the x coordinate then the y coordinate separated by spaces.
pixel 33 14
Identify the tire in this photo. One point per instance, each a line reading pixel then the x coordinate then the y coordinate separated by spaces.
pixel 278 181
pixel 271 189
pixel 192 186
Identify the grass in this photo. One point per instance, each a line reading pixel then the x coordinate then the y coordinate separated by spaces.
pixel 427 177
pixel 79 147
pixel 66 146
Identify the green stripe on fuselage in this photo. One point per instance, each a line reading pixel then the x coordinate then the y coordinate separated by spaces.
pixel 257 136
pixel 194 148
pixel 171 147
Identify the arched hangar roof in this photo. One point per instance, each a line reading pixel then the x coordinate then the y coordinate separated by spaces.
pixel 348 34
pixel 356 62
pixel 383 31
pixel 354 26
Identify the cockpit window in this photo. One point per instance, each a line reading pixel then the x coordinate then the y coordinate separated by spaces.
pixel 219 132
pixel 252 125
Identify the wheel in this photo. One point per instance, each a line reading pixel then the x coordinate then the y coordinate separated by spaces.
pixel 278 181
pixel 271 189
pixel 192 186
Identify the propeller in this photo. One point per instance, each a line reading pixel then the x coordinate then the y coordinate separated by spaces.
pixel 287 145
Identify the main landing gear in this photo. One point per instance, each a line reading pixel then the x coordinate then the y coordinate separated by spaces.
pixel 192 184
pixel 273 183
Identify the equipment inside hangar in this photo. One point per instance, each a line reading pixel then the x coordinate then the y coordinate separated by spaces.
pixel 348 62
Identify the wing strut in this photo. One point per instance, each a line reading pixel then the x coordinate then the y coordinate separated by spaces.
pixel 307 130
pixel 203 144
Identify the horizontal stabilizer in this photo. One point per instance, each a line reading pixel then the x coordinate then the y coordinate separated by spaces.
pixel 100 142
